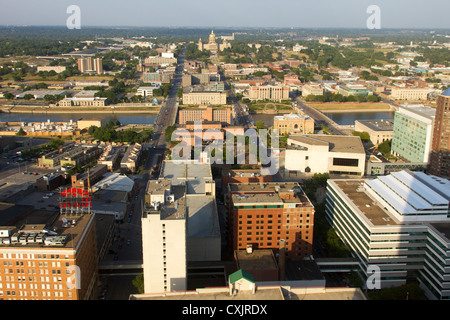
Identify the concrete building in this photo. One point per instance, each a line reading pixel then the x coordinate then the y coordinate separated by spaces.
pixel 293 123
pixel 440 148
pixel 86 124
pixel 179 224
pixel 269 92
pixel 412 133
pixel 325 154
pixel 197 98
pixel 379 130
pixel 262 214
pixel 83 102
pixel 209 113
pixel 397 224
pixel 160 76
pixel 57 69
pixel 161 60
pixel 314 89
pixel 46 258
pixel 411 94
pixel 354 90
pixel 146 91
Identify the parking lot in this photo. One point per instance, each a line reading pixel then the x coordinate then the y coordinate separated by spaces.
pixel 39 200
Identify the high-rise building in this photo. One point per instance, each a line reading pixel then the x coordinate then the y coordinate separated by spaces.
pixel 412 132
pixel 180 224
pixel 397 225
pixel 263 214
pixel 90 65
pixel 269 92
pixel 209 113
pixel 440 147
pixel 53 258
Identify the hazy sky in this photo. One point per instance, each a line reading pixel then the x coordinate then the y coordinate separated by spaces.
pixel 229 13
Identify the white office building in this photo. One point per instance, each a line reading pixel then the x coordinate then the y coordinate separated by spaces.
pixel 397 224
pixel 179 225
pixel 320 153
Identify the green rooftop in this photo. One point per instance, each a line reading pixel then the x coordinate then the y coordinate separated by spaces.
pixel 238 275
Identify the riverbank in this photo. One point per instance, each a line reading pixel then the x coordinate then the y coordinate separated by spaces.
pixel 351 107
pixel 80 110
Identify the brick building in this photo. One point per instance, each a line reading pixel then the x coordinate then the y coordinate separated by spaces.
pixel 262 214
pixel 440 146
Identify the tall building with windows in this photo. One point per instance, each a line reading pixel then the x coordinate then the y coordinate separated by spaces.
pixel 268 92
pixel 412 132
pixel 263 214
pixel 397 224
pixel 293 123
pixel 89 64
pixel 180 224
pixel 49 256
pixel 440 148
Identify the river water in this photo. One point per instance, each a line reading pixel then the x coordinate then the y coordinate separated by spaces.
pixel 144 118
pixel 347 118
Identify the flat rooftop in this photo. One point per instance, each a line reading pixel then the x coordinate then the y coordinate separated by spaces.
pixel 378 125
pixel 345 144
pixel 260 259
pixel 267 192
pixel 51 221
pixel 420 110
pixel 354 190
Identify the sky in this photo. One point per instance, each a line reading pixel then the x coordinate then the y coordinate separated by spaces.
pixel 404 14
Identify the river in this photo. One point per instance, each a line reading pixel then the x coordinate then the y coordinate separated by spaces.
pixel 144 118
pixel 347 118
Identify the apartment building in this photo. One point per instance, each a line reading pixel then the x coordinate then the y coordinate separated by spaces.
pixel 88 64
pixel 413 132
pixel 397 224
pixel 269 92
pixel 262 214
pixel 205 97
pixel 440 148
pixel 293 123
pixel 131 158
pixel 209 113
pixel 52 258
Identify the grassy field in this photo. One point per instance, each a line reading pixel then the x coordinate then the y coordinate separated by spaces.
pixel 349 106
pixel 270 106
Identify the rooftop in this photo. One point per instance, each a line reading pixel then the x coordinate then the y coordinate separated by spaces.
pixel 354 190
pixel 51 226
pixel 261 259
pixel 378 125
pixel 346 144
pixel 420 110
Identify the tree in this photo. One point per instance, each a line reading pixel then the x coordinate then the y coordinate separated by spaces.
pixel 8 96
pixel 21 133
pixel 385 147
pixel 28 96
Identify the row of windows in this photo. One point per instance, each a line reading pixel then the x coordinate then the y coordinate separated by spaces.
pixel 31 256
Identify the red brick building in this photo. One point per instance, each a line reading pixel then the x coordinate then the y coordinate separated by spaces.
pixel 262 214
pixel 440 145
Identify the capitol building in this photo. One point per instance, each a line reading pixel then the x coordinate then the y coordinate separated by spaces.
pixel 212 45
